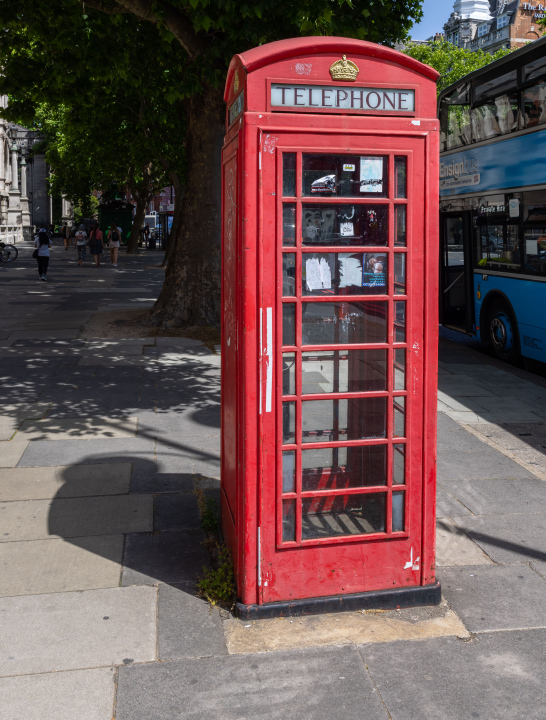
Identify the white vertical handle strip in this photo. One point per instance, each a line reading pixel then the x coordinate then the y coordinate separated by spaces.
pixel 261 357
pixel 269 359
pixel 259 557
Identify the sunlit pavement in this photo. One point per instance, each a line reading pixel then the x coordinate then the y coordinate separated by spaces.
pixel 101 445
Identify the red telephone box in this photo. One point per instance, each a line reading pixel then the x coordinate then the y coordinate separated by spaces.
pixel 329 348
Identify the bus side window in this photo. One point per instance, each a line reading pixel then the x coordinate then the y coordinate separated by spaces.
pixel 534 101
pixel 455 119
pixel 496 107
pixel 535 250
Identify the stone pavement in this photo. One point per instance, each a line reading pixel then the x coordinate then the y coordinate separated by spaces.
pixel 101 445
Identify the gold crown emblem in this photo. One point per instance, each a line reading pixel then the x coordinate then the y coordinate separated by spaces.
pixel 344 70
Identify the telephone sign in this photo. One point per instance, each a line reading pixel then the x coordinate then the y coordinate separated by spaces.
pixel 329 337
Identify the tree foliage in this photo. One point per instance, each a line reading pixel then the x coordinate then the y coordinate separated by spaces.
pixel 93 44
pixel 452 62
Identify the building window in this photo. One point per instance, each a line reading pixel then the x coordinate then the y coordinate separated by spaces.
pixel 456 38
pixel 502 21
pixel 482 30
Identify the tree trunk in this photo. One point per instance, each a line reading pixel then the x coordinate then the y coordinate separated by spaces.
pixel 191 292
pixel 132 245
pixel 176 227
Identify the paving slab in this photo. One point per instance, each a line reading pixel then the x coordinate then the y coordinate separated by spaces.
pixel 72 452
pixel 69 631
pixel 23 411
pixel 55 565
pixel 176 511
pixel 454 547
pixel 81 694
pixel 447 505
pixel 90 428
pixel 498 597
pixel 75 517
pixel 177 342
pixel 187 626
pixel 11 452
pixel 69 481
pixel 476 465
pixel 311 684
pixel 509 538
pixel 414 623
pixel 516 436
pixel 500 496
pixel 497 675
pixel 172 557
pixel 38 334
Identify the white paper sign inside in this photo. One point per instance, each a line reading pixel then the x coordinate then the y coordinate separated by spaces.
pixel 350 270
pixel 371 174
pixel 318 275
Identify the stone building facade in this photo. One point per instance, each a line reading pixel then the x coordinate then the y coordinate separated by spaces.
pixel 24 199
pixel 491 25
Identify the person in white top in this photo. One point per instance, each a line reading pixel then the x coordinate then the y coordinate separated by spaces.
pixel 81 239
pixel 114 237
pixel 42 243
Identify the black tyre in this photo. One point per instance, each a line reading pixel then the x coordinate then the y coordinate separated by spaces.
pixel 9 253
pixel 502 332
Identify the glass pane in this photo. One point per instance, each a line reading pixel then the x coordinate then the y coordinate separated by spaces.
pixel 344 274
pixel 289 471
pixel 400 177
pixel 288 274
pixel 535 250
pixel 289 422
pixel 344 467
pixel 329 371
pixel 399 465
pixel 289 224
pixel 398 524
pixel 400 321
pixel 289 373
pixel 343 515
pixel 535 69
pixel 399 369
pixel 288 324
pixel 534 105
pixel 399 417
pixel 400 225
pixel 289 174
pixel 288 520
pixel 495 86
pixel 455 119
pixel 345 176
pixel 325 323
pixel 497 117
pixel 400 274
pixel 346 419
pixel 345 225
pixel 498 246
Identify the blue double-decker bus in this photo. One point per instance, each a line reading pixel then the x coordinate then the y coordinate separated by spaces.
pixel 493 204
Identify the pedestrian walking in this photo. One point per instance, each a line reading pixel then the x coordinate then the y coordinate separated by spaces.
pixel 95 243
pixel 114 237
pixel 81 239
pixel 42 243
pixel 65 232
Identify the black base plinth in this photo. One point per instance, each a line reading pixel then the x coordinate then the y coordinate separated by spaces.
pixel 377 600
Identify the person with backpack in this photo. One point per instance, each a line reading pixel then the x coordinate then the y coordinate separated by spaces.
pixel 114 237
pixel 95 243
pixel 81 239
pixel 42 243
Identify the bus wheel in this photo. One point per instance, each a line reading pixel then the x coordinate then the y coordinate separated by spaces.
pixel 502 332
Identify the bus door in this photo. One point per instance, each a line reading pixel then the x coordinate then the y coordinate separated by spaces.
pixel 456 295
